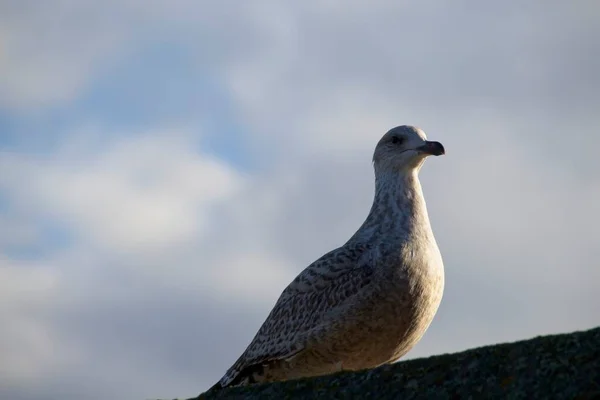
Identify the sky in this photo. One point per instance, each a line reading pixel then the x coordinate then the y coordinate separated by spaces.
pixel 167 167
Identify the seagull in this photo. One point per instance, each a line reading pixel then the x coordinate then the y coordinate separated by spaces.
pixel 368 302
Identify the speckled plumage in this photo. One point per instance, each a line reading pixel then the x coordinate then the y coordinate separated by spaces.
pixel 368 302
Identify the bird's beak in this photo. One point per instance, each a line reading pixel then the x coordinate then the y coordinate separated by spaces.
pixel 432 148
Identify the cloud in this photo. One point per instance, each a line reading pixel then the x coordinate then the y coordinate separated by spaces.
pixel 101 295
pixel 42 70
pixel 26 290
pixel 334 72
pixel 142 192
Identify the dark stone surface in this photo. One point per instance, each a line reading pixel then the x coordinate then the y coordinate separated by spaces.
pixel 548 367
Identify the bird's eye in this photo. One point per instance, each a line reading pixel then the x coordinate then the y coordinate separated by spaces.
pixel 397 140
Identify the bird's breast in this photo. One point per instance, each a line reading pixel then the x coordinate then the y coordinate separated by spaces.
pixel 412 291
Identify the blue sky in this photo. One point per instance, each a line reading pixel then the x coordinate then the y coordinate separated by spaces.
pixel 166 168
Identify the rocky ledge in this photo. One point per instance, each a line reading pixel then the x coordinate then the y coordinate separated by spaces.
pixel 563 366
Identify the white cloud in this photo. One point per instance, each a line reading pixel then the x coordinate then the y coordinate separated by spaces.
pixel 124 257
pixel 259 277
pixel 51 51
pixel 27 343
pixel 54 52
pixel 145 191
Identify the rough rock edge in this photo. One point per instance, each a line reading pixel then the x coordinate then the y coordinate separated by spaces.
pixel 563 366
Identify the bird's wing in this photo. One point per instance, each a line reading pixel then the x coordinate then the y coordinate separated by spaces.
pixel 308 299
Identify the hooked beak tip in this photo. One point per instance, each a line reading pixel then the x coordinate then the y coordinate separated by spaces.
pixel 433 148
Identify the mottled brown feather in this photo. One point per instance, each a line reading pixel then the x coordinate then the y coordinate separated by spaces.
pixel 322 286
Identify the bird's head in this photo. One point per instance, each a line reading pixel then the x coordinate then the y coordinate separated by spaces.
pixel 403 149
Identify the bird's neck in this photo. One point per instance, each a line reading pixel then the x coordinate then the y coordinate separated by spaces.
pixel 398 211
